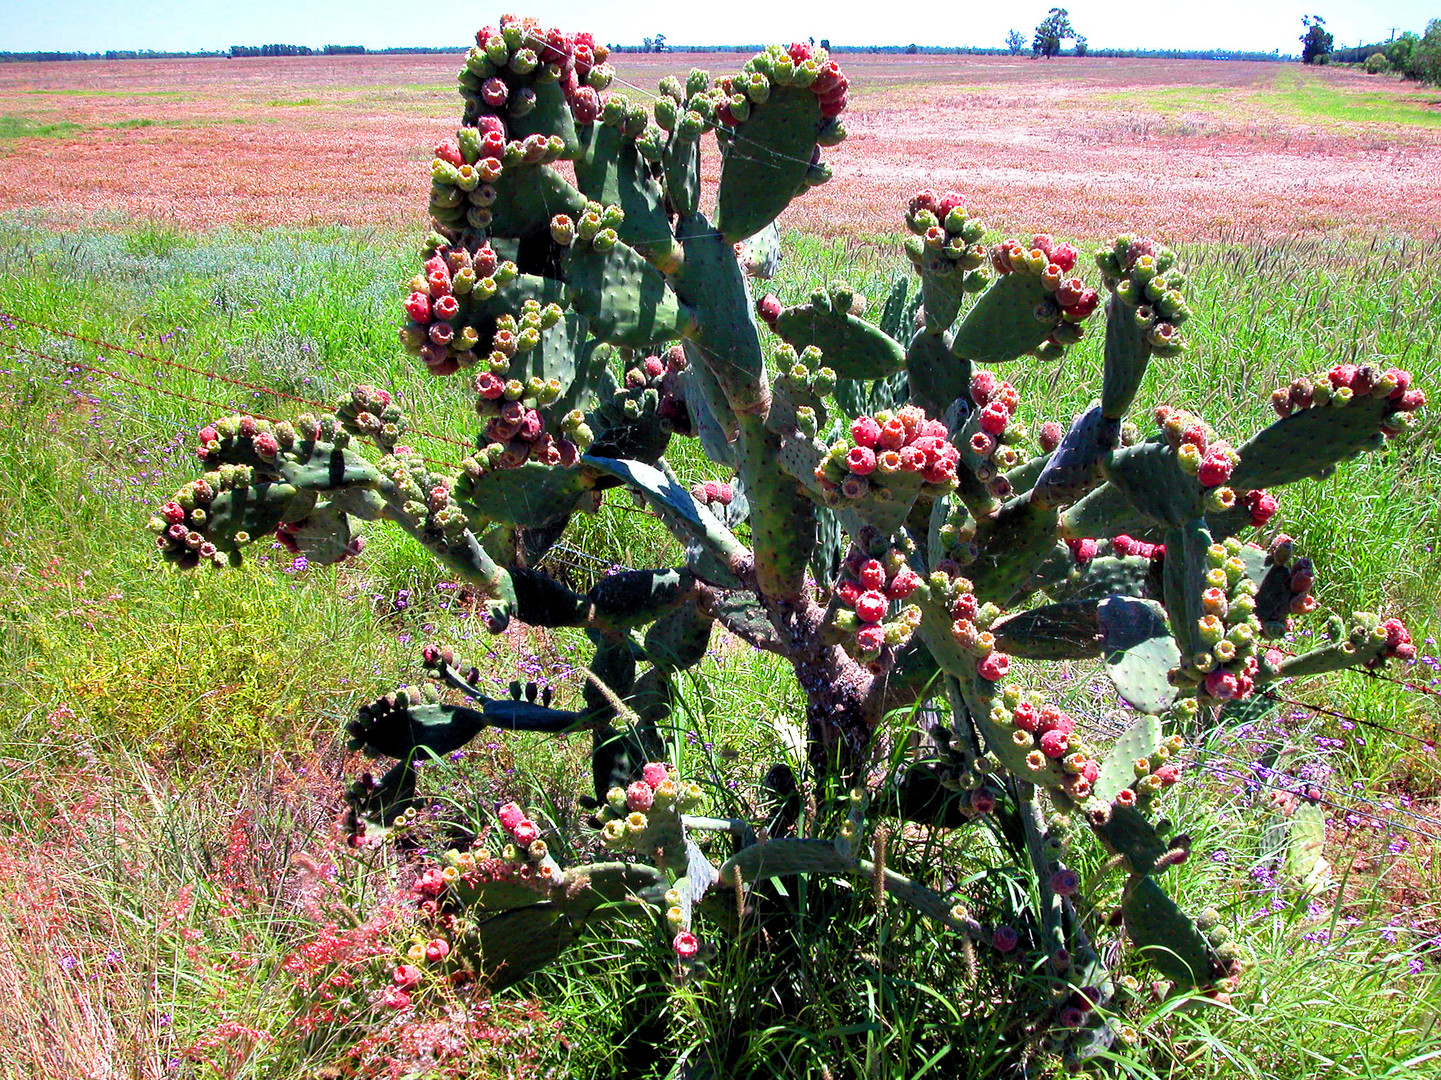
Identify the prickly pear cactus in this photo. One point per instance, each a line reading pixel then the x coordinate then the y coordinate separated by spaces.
pixel 583 290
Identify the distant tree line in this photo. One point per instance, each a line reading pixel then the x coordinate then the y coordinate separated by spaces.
pixel 420 50
pixel 108 54
pixel 1412 56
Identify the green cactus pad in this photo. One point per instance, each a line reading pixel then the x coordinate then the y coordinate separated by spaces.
pixel 1129 833
pixel 385 800
pixel 1151 477
pixel 1013 545
pixel 636 597
pixel 777 858
pixel 611 172
pixel 399 732
pixel 766 160
pixel 320 466
pixel 1063 631
pixel 743 615
pixel 1310 442
pixel 255 510
pixel 1127 355
pixel 1139 651
pixel 1110 576
pixel 1074 468
pixel 710 412
pixel 359 502
pixel 1296 840
pixel 625 298
pixel 682 175
pixel 551 115
pixel 1118 770
pixel 324 536
pixel 1165 934
pixel 1104 513
pixel 520 941
pixel 531 496
pixel 936 375
pixel 527 197
pixel 850 346
pixel 1184 579
pixel 1002 324
pixel 725 334
pixel 935 631
pixel 482 897
pixel 679 640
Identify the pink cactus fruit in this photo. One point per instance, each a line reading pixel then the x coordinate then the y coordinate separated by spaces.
pixel 639 797
pixel 686 944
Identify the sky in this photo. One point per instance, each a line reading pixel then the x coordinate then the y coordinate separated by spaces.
pixel 193 25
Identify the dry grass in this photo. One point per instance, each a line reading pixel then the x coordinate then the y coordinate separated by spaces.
pixel 1180 149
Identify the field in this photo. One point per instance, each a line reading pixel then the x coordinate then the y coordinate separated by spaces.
pixel 1177 149
pixel 183 239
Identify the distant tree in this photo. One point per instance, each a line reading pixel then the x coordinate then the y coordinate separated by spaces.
pixel 1399 50
pixel 1081 45
pixel 1054 29
pixel 826 44
pixel 1316 42
pixel 1015 42
pixel 1424 64
pixel 1377 64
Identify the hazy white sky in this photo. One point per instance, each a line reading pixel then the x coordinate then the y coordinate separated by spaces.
pixel 185 25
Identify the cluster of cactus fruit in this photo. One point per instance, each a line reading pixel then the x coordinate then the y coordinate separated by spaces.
pixel 908 547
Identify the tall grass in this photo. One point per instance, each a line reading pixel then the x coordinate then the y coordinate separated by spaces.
pixel 170 743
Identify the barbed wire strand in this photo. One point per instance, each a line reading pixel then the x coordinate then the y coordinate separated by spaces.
pixel 203 373
pixel 79 365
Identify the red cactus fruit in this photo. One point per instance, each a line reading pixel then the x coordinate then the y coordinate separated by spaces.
pixel 449 151
pixel 861 460
pixel 1049 436
pixel 871 606
pixel 417 306
pixel 893 435
pixel 494 92
pixel 1222 684
pixel 1055 743
pixel 1261 504
pixel 510 816
pixel 526 832
pixel 993 666
pixel 872 574
pixel 1053 719
pixel 994 418
pixel 1005 939
pixel 983 800
pixel 866 431
pixel 983 385
pixel 1065 882
pixel 639 797
pixel 1083 551
pixel 1215 470
pixel 903 584
pixel 436 950
pixel 870 638
pixel 1026 718
pixel 686 944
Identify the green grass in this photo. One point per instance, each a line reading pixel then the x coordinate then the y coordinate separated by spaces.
pixel 1295 94
pixel 1306 95
pixel 26 127
pixel 158 722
